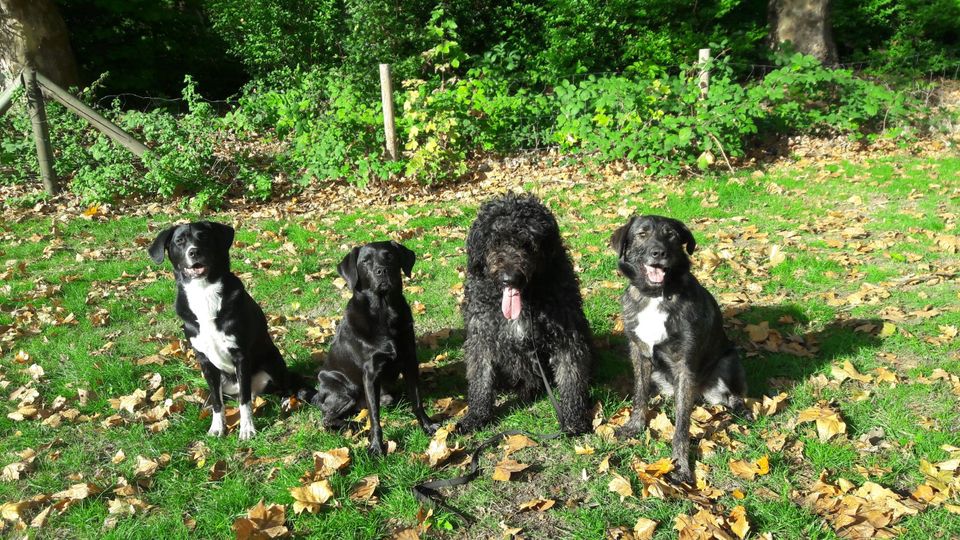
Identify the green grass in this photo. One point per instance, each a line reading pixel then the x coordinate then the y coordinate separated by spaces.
pixel 904 204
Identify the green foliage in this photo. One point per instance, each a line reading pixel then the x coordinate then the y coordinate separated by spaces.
pixel 909 37
pixel 663 124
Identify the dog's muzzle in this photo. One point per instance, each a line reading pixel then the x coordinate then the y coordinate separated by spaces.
pixel 655 275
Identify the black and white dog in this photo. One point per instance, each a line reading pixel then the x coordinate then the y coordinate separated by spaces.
pixel 224 324
pixel 675 330
pixel 374 342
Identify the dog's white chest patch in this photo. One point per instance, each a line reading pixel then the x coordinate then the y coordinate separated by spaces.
pixel 651 326
pixel 204 299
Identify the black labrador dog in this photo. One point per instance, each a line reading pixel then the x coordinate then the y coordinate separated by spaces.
pixel 374 342
pixel 225 326
pixel 675 330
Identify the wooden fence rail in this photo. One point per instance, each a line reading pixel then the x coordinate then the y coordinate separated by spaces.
pixel 32 81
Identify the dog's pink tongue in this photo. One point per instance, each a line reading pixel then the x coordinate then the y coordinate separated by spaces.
pixel 510 305
pixel 654 274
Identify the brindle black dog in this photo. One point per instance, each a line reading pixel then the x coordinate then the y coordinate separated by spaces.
pixel 675 329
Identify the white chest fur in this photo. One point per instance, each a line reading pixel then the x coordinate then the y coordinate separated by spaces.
pixel 651 326
pixel 204 300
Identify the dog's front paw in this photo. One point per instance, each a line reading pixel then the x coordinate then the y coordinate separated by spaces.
pixel 376 448
pixel 217 425
pixel 632 428
pixel 430 427
pixel 247 432
pixel 470 423
pixel 577 426
pixel 681 474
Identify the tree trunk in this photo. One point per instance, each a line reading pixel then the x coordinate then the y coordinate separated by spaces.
pixel 805 26
pixel 33 30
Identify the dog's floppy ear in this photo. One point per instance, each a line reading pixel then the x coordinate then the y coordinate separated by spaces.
pixel 621 238
pixel 158 249
pixel 224 234
pixel 407 257
pixel 686 237
pixel 348 269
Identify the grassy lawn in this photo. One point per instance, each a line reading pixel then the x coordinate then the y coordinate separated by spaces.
pixel 816 266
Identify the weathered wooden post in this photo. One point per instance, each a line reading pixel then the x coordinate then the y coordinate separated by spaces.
pixel 41 133
pixel 703 60
pixel 386 96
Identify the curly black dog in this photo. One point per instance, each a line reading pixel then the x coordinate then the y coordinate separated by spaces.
pixel 374 342
pixel 224 324
pixel 675 330
pixel 522 306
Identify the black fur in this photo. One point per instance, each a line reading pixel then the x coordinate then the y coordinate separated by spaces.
pixel 693 353
pixel 200 256
pixel 515 243
pixel 374 342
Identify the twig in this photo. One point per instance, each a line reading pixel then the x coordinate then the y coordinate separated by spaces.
pixel 722 153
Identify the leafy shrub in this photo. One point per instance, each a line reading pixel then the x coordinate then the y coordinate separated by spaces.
pixel 663 123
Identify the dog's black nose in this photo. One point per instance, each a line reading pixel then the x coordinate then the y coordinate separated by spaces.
pixel 513 279
pixel 657 252
pixel 192 252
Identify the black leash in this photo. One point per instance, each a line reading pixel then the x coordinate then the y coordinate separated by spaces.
pixel 426 492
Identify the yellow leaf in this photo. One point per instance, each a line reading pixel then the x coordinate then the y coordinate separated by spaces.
pixel 517 442
pixel 311 497
pixel 504 470
pixel 262 522
pixel 583 450
pixel 363 491
pixel 738 522
pixel 540 505
pixel 776 255
pixel 621 486
pixel 888 329
pixel 644 528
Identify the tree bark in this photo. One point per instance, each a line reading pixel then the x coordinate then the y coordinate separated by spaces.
pixel 34 31
pixel 804 26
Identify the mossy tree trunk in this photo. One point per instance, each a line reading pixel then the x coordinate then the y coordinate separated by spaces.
pixel 33 30
pixel 803 26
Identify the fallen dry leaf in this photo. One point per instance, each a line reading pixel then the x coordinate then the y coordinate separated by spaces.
pixel 644 529
pixel 749 470
pixel 262 522
pixel 517 442
pixel 327 463
pixel 362 493
pixel 311 497
pixel 505 470
pixel 620 486
pixel 540 505
pixel 829 423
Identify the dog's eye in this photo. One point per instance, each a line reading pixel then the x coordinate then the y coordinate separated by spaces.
pixel 179 240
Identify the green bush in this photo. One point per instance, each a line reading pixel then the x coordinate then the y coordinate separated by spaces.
pixel 663 124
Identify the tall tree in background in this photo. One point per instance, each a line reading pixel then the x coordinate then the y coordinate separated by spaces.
pixel 34 30
pixel 805 24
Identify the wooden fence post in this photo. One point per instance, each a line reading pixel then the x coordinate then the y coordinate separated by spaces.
pixel 41 133
pixel 703 59
pixel 386 96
